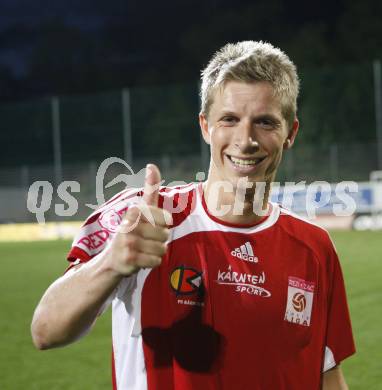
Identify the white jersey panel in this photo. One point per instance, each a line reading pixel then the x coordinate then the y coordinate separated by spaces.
pixel 130 369
pixel 329 361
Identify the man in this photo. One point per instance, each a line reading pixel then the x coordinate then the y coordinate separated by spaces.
pixel 212 286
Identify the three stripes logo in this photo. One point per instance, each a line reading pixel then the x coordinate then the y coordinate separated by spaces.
pixel 245 252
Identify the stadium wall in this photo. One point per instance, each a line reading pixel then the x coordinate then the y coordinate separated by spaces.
pixel 343 205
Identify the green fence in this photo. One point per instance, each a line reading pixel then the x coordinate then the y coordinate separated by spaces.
pixel 337 138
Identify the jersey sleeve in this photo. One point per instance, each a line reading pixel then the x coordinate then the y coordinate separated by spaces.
pixel 100 227
pixel 339 335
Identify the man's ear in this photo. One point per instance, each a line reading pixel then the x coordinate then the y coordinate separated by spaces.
pixel 203 123
pixel 289 141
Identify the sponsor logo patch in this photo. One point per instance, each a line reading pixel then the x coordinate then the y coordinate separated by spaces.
pixel 299 301
pixel 244 282
pixel 110 220
pixel 93 241
pixel 186 281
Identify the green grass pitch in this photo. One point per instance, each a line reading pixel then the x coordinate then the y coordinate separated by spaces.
pixel 28 268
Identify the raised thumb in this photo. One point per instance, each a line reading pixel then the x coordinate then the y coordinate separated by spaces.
pixel 152 184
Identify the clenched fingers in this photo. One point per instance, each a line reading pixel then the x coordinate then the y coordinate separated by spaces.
pixel 144 260
pixel 137 243
pixel 150 232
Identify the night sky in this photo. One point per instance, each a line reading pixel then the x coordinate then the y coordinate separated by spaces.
pixel 56 46
pixel 86 51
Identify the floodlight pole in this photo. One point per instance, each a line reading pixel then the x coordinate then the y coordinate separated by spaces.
pixel 378 108
pixel 126 126
pixel 56 130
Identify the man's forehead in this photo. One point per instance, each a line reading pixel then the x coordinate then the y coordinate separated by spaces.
pixel 235 94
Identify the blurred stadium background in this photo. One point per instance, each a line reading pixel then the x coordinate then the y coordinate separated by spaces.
pixel 65 138
pixel 75 91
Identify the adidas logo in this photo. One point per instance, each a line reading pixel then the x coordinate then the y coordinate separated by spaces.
pixel 245 252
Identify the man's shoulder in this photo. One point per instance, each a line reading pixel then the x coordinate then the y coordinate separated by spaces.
pixel 130 196
pixel 175 199
pixel 103 223
pixel 179 201
pixel 300 222
pixel 304 230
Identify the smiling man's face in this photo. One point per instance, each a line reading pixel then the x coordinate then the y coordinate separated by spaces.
pixel 247 133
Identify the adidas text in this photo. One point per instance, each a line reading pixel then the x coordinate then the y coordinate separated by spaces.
pixel 242 256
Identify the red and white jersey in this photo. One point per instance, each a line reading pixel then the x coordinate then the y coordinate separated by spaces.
pixel 230 307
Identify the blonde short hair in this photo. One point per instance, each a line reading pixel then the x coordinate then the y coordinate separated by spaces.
pixel 250 61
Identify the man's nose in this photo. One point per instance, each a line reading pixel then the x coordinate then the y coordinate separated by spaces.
pixel 245 139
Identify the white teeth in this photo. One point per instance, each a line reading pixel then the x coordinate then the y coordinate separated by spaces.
pixel 239 161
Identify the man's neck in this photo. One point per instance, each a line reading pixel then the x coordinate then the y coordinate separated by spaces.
pixel 240 206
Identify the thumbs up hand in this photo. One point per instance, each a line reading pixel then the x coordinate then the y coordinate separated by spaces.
pixel 140 242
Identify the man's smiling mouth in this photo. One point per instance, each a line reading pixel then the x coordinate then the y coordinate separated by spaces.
pixel 245 162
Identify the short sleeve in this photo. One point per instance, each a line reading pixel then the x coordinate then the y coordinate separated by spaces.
pixel 339 335
pixel 100 227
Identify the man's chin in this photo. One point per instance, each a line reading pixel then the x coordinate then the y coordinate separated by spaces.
pixel 249 182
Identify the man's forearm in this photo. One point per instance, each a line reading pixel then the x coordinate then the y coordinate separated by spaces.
pixel 71 304
pixel 334 380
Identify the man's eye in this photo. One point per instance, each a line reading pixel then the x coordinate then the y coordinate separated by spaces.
pixel 266 124
pixel 229 119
